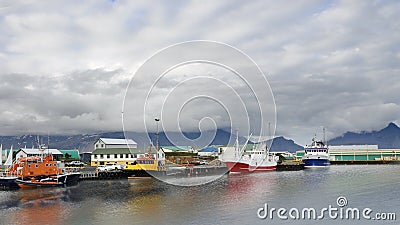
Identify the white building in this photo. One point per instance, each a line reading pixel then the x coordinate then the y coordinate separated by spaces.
pixel 28 152
pixel 104 143
pixel 353 147
pixel 208 152
pixel 115 151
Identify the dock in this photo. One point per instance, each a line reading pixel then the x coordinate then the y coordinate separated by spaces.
pixel 289 166
pixel 91 173
pixel 191 171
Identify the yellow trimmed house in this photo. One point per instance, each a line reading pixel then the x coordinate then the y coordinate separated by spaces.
pixel 114 151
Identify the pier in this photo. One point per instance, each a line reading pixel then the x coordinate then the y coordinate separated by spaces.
pixel 191 171
pixel 91 173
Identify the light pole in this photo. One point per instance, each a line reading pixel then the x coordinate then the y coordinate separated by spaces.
pixel 157 120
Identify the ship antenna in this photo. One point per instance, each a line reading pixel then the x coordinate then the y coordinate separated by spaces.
pixel 48 143
pixel 237 144
pixel 323 130
pixel 269 130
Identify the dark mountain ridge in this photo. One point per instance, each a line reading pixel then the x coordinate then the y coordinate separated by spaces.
pixel 386 138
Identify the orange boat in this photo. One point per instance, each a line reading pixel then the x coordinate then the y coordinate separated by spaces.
pixel 41 171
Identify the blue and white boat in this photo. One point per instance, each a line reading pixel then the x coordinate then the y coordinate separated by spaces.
pixel 316 154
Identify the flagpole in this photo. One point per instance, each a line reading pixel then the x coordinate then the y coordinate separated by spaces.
pixel 1 154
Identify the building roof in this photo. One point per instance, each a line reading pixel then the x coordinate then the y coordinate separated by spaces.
pixel 73 153
pixel 209 149
pixel 114 141
pixel 119 151
pixel 353 147
pixel 35 151
pixel 177 148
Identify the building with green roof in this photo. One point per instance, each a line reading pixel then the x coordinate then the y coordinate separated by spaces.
pixel 70 155
pixel 177 148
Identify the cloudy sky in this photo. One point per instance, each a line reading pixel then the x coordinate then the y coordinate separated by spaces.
pixel 65 65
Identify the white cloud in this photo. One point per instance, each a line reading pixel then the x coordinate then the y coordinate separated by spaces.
pixel 327 61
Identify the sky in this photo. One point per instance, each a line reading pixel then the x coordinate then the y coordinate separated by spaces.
pixel 65 66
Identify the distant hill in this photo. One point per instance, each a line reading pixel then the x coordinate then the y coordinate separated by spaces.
pixel 84 142
pixel 283 144
pixel 387 138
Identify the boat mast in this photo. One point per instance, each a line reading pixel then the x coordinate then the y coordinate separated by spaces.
pixel 237 144
pixel 149 152
pixel 9 160
pixel 1 154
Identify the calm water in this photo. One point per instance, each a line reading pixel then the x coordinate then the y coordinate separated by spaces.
pixel 233 199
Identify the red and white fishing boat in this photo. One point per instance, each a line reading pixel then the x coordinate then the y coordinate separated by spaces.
pixel 257 160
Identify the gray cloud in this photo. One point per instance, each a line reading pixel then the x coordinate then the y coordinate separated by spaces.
pixel 85 101
pixel 65 65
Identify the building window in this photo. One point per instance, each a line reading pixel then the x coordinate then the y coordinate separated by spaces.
pixel 97 145
pixel 102 145
pixel 115 156
pixel 126 155
pixel 108 156
pixel 101 156
pixel 95 156
pixel 121 156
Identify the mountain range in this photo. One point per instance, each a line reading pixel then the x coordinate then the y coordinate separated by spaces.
pixel 387 138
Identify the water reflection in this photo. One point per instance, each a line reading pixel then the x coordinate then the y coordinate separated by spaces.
pixel 40 206
pixel 232 199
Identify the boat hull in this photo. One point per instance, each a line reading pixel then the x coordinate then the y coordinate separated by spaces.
pixel 315 163
pixel 57 181
pixel 240 167
pixel 34 184
pixel 8 183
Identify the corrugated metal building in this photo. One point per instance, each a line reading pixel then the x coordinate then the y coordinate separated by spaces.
pixel 359 153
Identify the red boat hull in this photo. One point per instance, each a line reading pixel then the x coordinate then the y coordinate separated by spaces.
pixel 239 167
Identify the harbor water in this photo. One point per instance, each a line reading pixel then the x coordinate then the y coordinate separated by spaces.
pixel 232 199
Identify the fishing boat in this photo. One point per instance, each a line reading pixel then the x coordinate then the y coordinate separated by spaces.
pixel 8 182
pixel 8 177
pixel 316 155
pixel 40 171
pixel 257 160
